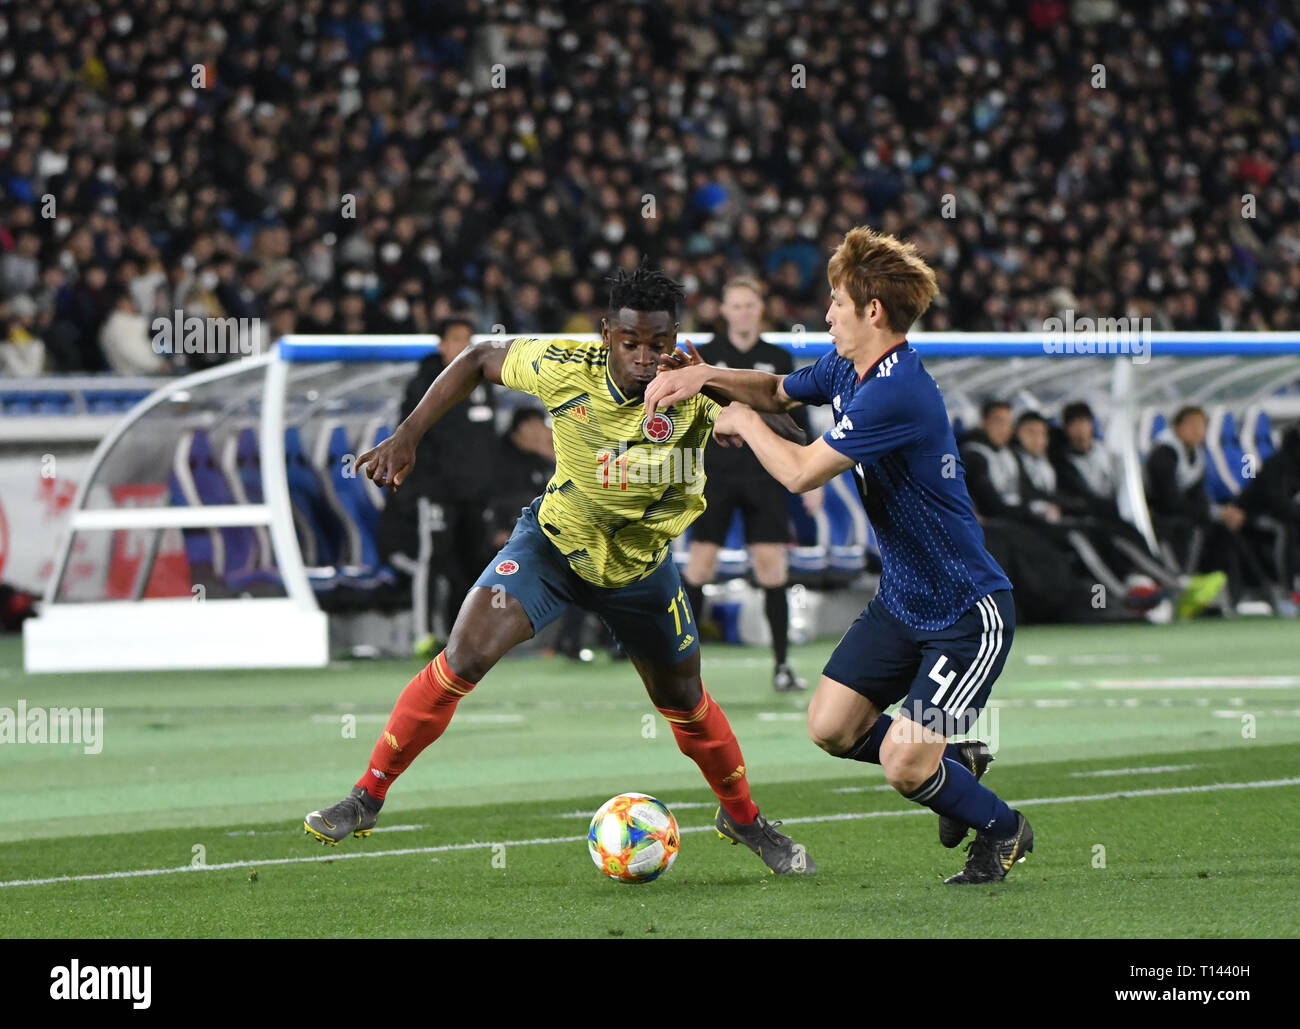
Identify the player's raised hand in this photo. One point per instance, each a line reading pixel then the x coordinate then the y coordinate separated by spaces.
pixel 680 358
pixel 389 464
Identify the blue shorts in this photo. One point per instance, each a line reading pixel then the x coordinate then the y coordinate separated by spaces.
pixel 943 678
pixel 651 617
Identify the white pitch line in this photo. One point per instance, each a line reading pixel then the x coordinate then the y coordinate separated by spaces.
pixel 1203 682
pixel 1039 660
pixel 1149 769
pixel 447 847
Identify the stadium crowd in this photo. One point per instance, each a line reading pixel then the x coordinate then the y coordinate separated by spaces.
pixel 340 166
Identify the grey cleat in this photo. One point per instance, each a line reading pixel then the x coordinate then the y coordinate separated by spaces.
pixel 784 680
pixel 356 814
pixel 988 860
pixel 780 853
pixel 976 756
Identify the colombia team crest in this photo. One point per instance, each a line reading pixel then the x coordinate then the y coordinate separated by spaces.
pixel 657 428
pixel 507 567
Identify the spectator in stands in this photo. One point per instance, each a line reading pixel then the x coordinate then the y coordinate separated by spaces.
pixel 1202 536
pixel 21 351
pixel 126 341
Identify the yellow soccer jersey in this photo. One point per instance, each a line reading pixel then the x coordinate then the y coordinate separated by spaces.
pixel 625 486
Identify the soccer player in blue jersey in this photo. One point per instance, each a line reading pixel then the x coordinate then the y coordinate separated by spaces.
pixel 938 631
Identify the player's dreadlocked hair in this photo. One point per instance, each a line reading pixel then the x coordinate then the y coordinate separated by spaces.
pixel 644 289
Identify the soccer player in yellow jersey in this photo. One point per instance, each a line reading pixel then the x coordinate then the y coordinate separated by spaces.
pixel 626 484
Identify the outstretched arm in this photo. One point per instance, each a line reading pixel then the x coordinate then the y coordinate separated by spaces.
pixel 682 378
pixel 390 463
pixel 797 468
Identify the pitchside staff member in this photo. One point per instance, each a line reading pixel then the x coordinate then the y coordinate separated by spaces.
pixel 456 461
pixel 737 480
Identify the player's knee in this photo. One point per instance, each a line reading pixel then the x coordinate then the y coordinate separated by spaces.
pixel 829 734
pixel 907 767
pixel 770 568
pixel 699 573
pixel 469 658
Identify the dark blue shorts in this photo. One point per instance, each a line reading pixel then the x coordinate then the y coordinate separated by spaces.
pixel 651 617
pixel 943 678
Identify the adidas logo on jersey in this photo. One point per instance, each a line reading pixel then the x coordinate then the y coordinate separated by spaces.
pixel 575 406
pixel 886 366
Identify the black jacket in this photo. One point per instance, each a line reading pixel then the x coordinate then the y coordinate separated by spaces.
pixel 455 460
pixel 1275 489
pixel 739 463
pixel 985 493
pixel 520 477
pixel 1164 497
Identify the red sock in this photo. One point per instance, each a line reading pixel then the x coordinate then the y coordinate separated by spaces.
pixel 419 717
pixel 704 735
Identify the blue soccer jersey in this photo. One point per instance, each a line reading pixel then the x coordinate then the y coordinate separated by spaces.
pixel 894 424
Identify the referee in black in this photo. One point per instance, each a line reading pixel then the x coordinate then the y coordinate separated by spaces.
pixel 737 480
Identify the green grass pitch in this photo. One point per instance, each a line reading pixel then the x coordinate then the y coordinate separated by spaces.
pixel 1159 767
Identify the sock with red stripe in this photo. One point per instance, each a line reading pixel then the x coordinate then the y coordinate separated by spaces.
pixel 419 717
pixel 704 735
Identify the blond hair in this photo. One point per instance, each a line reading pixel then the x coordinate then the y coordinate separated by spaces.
pixel 870 264
pixel 744 282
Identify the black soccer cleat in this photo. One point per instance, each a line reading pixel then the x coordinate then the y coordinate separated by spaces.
pixel 976 756
pixel 988 860
pixel 776 850
pixel 356 814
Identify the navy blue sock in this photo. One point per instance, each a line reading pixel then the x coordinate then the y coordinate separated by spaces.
pixel 868 747
pixel 954 791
